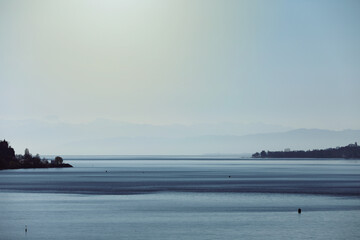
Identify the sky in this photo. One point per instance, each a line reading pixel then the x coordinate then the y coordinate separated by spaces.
pixel 289 64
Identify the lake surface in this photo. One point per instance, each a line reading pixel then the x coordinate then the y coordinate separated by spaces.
pixel 183 199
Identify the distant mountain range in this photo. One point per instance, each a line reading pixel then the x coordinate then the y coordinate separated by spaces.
pixel 112 138
pixel 301 139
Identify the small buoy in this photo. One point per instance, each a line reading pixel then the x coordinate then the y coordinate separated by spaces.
pixel 229 176
pixel 106 171
pixel 299 210
pixel 25 228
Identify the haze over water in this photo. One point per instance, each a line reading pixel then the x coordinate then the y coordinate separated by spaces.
pixel 180 77
pixel 183 199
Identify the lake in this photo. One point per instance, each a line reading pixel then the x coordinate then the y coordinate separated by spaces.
pixel 183 198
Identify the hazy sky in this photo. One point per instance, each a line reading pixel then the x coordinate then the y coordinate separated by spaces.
pixel 291 63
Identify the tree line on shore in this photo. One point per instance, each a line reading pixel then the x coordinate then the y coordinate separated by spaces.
pixel 351 151
pixel 10 160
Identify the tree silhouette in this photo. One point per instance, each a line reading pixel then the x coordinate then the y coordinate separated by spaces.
pixel 7 156
pixel 27 155
pixel 8 159
pixel 58 160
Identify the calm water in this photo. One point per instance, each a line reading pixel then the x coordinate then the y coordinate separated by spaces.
pixel 183 199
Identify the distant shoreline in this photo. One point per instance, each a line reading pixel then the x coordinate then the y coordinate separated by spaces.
pixel 195 159
pixel 351 151
pixel 65 165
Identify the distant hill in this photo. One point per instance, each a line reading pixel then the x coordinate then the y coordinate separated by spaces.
pixel 351 151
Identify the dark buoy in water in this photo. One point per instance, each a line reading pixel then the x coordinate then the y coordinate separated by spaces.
pixel 229 176
pixel 299 211
pixel 26 228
